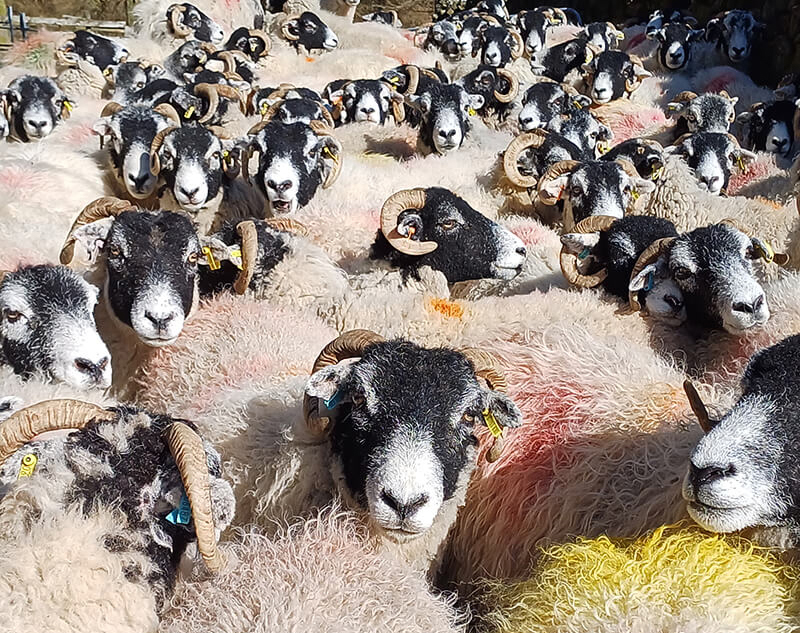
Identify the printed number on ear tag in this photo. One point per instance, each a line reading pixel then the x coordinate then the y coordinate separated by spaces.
pixel 740 163
pixel 264 108
pixel 68 106
pixel 182 514
pixel 237 253
pixel 491 422
pixel 213 264
pixel 471 112
pixel 28 465
pixel 635 194
pixel 584 253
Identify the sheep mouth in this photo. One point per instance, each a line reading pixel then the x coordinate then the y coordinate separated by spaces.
pixel 402 534
pixel 157 341
pixel 282 206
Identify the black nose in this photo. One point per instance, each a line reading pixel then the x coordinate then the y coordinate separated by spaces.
pixel 750 308
pixel 737 51
pixel 189 193
pixel 522 251
pixel 93 370
pixel 280 186
pixel 526 121
pixel 368 110
pixel 138 182
pixel 161 323
pixel 709 474
pixel 447 134
pixel 780 142
pixel 37 124
pixel 403 510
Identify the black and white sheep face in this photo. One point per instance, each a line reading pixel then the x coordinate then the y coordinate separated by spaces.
pixel 299 111
pixel 151 271
pixel 469 37
pixel 541 104
pixel 127 79
pixel 444 36
pixel 602 36
pixel 445 110
pixel 707 113
pixel 660 19
pixel 202 27
pixel 36 105
pixel 712 156
pixel 366 100
pixel 595 188
pixel 47 327
pixel 312 33
pixel 559 60
pixel 186 59
pixel 485 82
pixel 713 267
pixel 96 49
pixel 743 472
pixel 581 128
pixel 675 44
pixel 192 166
pixel 389 18
pixel 290 167
pixel 770 126
pixel 497 8
pixel 129 134
pixel 533 26
pixel 404 438
pixel 735 34
pixel 496 49
pixel 470 245
pixel 646 156
pixel 608 75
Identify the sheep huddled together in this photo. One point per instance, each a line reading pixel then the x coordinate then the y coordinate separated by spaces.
pixel 312 321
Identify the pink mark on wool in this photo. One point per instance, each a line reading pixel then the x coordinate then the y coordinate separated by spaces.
pixel 635 41
pixel 754 171
pixel 532 233
pixel 14 258
pixel 80 133
pixel 20 179
pixel 637 123
pixel 721 82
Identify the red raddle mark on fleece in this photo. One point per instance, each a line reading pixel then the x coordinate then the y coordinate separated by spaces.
pixel 19 179
pixel 721 82
pixel 752 172
pixel 532 233
pixel 635 124
pixel 635 41
pixel 80 133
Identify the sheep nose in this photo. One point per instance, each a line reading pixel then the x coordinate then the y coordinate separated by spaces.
pixel 737 51
pixel 158 320
pixel 37 124
pixel 779 142
pixel 280 187
pixel 138 181
pixel 190 193
pixel 712 181
pixel 709 474
pixel 404 509
pixel 749 308
pixel 447 134
pixel 527 121
pixel 521 250
pixel 93 370
pixel 368 111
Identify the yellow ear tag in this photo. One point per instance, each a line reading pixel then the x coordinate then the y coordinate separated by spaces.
pixel 264 108
pixel 578 105
pixel 189 112
pixel 329 153
pixel 412 231
pixel 107 72
pixel 394 80
pixel 491 423
pixel 620 36
pixel 765 251
pixel 237 253
pixel 471 112
pixel 68 105
pixel 635 194
pixel 656 173
pixel 213 264
pixel 603 148
pixel 28 464
pixel 588 59
pixel 740 163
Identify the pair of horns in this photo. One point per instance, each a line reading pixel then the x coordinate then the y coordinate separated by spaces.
pixel 97 210
pixel 258 33
pixel 513 86
pixel 212 93
pixel 569 261
pixel 164 109
pixel 352 345
pixel 649 256
pixel 175 21
pixel 414 72
pixel 184 444
pixel 392 208
pixel 534 139
pixel 273 110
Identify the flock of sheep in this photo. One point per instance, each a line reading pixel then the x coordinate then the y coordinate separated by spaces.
pixel 314 324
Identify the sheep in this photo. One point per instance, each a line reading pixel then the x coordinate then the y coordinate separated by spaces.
pixel 389 18
pixel 253 43
pixel 125 81
pixel 602 36
pixel 543 101
pixel 445 110
pixel 498 87
pixel 184 20
pixel 612 75
pixel 499 46
pixel 35 105
pixel 675 41
pixel 293 581
pixel 584 130
pixel 100 51
pixel 734 33
pixel 369 100
pixel 308 31
pixel 116 501
pixel 711 156
pixel 533 26
pixel 705 113
pixel 769 127
pixel 645 155
pixel 47 327
pixel 610 586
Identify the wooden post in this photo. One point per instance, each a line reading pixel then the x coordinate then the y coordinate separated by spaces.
pixel 10 16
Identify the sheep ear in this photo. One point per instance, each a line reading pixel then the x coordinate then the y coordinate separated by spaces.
pixel 327 382
pixel 577 243
pixel 13 98
pixel 744 117
pixel 554 187
pixel 582 101
pixel 644 280
pixel 475 101
pixel 102 127
pixel 696 35
pixel 643 186
pixel 422 102
pixel 505 411
pixel 657 35
pixel 92 237
pixel 742 154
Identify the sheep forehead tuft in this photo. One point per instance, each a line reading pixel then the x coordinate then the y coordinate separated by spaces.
pixel 47 290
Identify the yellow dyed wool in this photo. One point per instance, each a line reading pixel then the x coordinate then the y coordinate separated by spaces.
pixel 674 580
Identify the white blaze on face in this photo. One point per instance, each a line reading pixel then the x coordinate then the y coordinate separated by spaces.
pixel 665 302
pixel 405 491
pixel 530 117
pixel 602 88
pixel 511 253
pixel 157 315
pixel 37 122
pixel 465 41
pixel 191 188
pixel 675 55
pixel 492 55
pixel 217 34
pixel 282 181
pixel 139 180
pixel 447 131
pixel 81 359
pixel 779 139
pixel 710 173
pixel 331 41
pixel 739 44
pixel 367 108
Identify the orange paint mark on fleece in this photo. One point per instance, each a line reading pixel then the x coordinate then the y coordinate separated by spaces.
pixel 449 309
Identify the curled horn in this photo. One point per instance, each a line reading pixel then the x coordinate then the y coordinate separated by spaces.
pixel 351 344
pixel 533 139
pixel 229 92
pixel 685 97
pixel 287 225
pixel 699 408
pixel 177 26
pixel 251 149
pixel 554 171
pixel 272 111
pixel 648 256
pixel 167 110
pixel 264 38
pixel 51 415
pixel 413 79
pixel 285 29
pixel 97 210
pixel 486 367
pixel 327 116
pixel 324 130
pixel 392 208
pixel 111 108
pixel 155 163
pixel 208 48
pixel 519 48
pixel 733 139
pixel 210 92
pixel 569 261
pixel 633 84
pixel 627 167
pixel 229 60
pixel 724 93
pixel 249 238
pixel 513 86
pixel 192 462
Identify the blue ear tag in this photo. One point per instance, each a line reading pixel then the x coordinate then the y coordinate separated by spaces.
pixel 331 402
pixel 182 514
pixel 651 281
pixel 584 253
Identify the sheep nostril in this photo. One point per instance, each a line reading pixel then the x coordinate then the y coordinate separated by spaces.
pixel 709 474
pixel 758 303
pixel 522 251
pixel 401 508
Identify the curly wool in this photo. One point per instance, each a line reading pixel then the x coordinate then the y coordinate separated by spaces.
pixel 319 576
pixel 673 580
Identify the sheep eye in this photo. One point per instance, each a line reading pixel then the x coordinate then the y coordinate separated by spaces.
pixel 682 273
pixel 358 400
pixel 192 259
pixel 448 225
pixel 468 418
pixel 114 252
pixel 576 190
pixel 140 85
pixel 12 316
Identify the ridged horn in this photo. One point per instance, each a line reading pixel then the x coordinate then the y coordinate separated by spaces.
pixel 190 458
pixel 392 208
pixel 569 261
pixel 627 167
pixel 554 171
pixel 413 79
pixel 167 110
pixel 285 29
pixel 210 92
pixel 155 162
pixel 249 243
pixel 533 139
pixel 519 49
pixel 513 86
pixel 648 256
pixel 111 108
pixel 264 38
pixel 99 209
pixel 51 415
pixel 178 28
pixel 351 344
pixel 288 225
pixel 322 129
